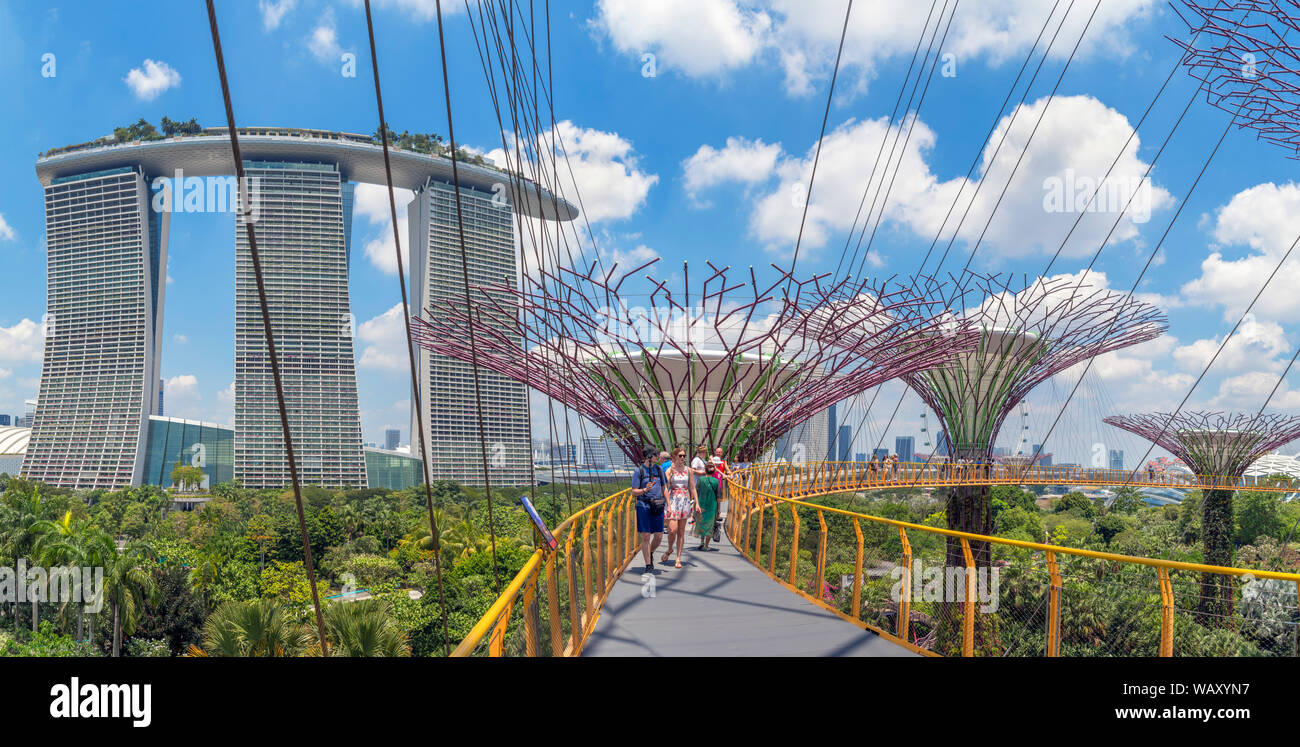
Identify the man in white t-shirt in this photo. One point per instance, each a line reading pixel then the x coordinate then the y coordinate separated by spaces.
pixel 697 464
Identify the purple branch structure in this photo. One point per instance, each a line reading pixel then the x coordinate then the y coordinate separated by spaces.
pixel 1213 444
pixel 1239 51
pixel 1027 334
pixel 732 364
pixel 1218 448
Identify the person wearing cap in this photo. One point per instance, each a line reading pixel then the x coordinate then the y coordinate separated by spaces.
pixel 701 456
pixel 648 485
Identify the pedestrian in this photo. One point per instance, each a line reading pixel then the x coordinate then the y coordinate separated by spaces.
pixel 706 506
pixel 681 503
pixel 701 456
pixel 720 468
pixel 648 488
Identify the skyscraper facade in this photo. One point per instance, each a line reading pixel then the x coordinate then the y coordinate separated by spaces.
pixel 845 441
pixel 301 214
pixel 453 450
pixel 1116 459
pixel 905 448
pixel 106 258
pixel 804 442
pixel 107 227
pixel 392 437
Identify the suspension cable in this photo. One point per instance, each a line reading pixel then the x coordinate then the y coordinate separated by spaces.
pixel 266 327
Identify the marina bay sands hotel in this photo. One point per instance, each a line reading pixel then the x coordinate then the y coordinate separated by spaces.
pixel 97 421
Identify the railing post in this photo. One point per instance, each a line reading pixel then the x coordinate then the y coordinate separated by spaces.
pixel 758 530
pixel 553 605
pixel 821 557
pixel 776 524
pixel 856 606
pixel 575 625
pixel 1166 613
pixel 968 618
pixel 602 524
pixel 497 641
pixel 589 596
pixel 794 548
pixel 531 621
pixel 1053 607
pixel 904 620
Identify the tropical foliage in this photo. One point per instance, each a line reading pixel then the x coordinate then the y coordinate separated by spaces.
pixel 229 577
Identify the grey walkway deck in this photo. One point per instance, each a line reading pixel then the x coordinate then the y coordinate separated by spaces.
pixel 719 604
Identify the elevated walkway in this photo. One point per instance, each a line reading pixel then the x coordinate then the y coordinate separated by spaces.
pixel 698 609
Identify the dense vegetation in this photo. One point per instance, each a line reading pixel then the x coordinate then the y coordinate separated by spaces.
pixel 229 578
pixel 1108 608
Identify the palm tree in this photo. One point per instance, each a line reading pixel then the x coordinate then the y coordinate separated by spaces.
pixel 254 628
pixel 20 530
pixel 128 585
pixel 364 628
pixel 70 544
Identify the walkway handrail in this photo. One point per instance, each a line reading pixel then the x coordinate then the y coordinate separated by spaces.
pixel 613 520
pixel 884 475
pixel 755 524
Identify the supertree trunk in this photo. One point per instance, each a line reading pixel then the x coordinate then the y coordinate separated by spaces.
pixel 1216 541
pixel 969 510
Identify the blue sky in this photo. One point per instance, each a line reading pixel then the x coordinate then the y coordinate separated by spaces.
pixel 698 162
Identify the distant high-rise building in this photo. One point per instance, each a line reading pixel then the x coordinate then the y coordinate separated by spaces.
pixel 860 457
pixel 303 222
pixel 942 446
pixel 106 254
pixel 4 420
pixel 1116 459
pixel 846 441
pixel 905 448
pixel 598 453
pixel 835 433
pixel 880 453
pixel 447 384
pixel 107 218
pixel 564 454
pixel 803 442
pixel 392 437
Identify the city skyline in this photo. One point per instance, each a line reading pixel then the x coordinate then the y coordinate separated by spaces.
pixel 711 185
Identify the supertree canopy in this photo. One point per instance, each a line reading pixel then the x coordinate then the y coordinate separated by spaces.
pixel 735 364
pixel 1025 336
pixel 1240 53
pixel 1213 444
pixel 1217 447
pixel 1027 333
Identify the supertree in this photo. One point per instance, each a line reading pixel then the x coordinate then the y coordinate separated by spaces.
pixel 1218 448
pixel 1027 333
pixel 1240 53
pixel 735 365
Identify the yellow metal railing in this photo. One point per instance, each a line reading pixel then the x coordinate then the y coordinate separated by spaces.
pixel 1051 600
pixel 820 477
pixel 559 593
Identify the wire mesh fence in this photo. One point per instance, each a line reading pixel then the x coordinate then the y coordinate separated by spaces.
pixel 951 593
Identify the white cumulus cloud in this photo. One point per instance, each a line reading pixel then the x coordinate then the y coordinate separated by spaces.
pixel 151 79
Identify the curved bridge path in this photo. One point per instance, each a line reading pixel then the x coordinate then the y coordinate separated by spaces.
pixel 696 611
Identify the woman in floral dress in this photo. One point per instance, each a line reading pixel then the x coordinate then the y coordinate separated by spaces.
pixel 682 503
